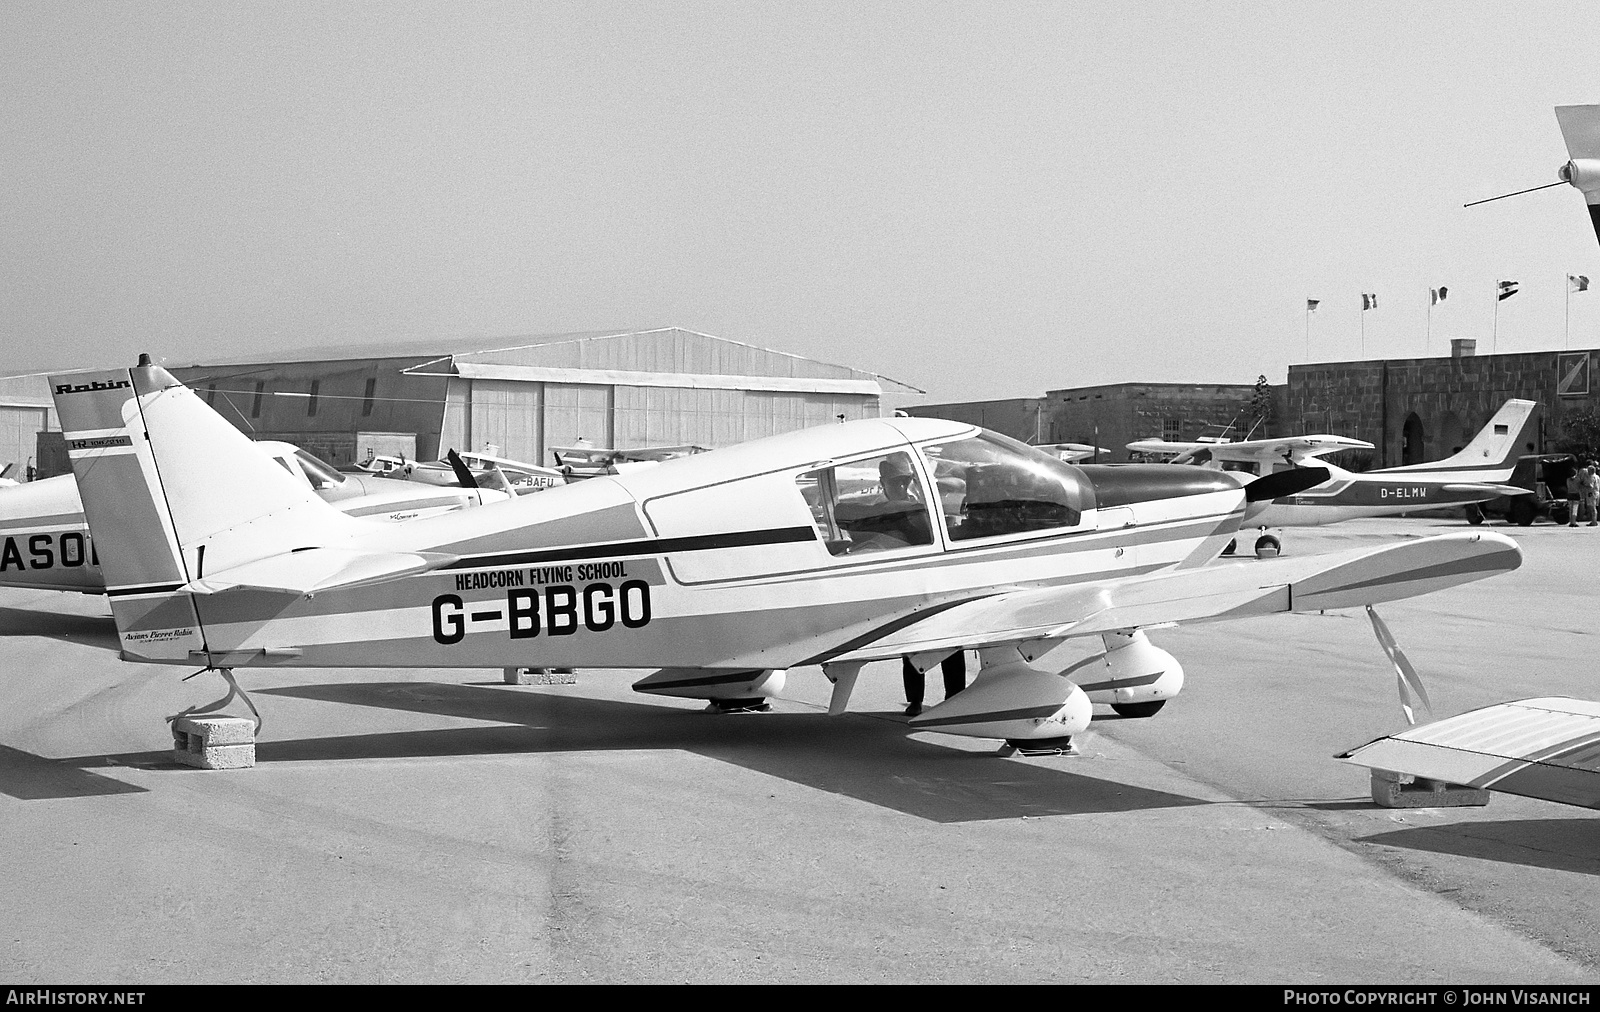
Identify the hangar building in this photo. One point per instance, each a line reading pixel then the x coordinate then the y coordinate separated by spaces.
pixel 25 411
pixel 625 389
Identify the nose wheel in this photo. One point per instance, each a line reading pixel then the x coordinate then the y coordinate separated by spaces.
pixel 1268 547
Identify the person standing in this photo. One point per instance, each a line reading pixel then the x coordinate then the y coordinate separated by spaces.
pixel 954 669
pixel 1589 489
pixel 1574 495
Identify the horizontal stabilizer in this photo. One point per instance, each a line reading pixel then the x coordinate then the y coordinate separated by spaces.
pixel 1486 489
pixel 313 570
pixel 1545 748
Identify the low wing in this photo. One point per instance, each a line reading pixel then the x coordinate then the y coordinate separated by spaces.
pixel 1211 593
pixel 1545 748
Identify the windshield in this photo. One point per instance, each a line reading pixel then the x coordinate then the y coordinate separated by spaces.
pixel 318 472
pixel 991 485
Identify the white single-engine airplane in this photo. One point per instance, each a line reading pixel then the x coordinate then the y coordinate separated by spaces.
pixel 584 460
pixel 45 543
pixel 1476 473
pixel 722 570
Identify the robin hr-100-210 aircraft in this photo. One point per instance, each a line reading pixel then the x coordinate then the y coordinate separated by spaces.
pixel 722 570
pixel 1475 473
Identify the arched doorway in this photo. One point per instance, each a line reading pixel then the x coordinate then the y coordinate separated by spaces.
pixel 1412 441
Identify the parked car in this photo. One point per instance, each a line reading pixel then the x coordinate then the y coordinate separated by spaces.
pixel 1545 474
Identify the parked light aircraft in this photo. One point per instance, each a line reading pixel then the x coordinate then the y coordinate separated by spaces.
pixel 1545 748
pixel 584 460
pixel 518 476
pixel 722 570
pixel 45 543
pixel 1476 473
pixel 1072 453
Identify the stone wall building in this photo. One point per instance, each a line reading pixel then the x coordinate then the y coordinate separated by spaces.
pixel 1414 410
pixel 1115 414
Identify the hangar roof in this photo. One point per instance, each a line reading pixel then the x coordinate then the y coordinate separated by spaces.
pixel 631 357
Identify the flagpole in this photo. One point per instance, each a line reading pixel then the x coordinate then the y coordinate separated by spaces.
pixel 1363 328
pixel 1495 334
pixel 1566 337
pixel 1427 337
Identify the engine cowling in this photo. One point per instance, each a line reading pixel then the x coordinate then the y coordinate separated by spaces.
pixel 1012 701
pixel 1132 670
pixel 712 683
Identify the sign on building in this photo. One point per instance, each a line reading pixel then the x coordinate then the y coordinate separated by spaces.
pixel 1572 374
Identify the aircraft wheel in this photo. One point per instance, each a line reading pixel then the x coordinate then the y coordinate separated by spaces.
pixel 1268 546
pixel 1233 546
pixel 1146 709
pixel 1474 514
pixel 1523 511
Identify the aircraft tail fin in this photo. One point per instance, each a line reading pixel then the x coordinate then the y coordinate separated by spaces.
pixel 1580 128
pixel 172 491
pixel 1493 452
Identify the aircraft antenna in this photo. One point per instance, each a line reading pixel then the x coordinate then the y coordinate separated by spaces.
pixel 1518 193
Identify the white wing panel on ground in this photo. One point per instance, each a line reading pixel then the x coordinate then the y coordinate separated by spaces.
pixel 1546 748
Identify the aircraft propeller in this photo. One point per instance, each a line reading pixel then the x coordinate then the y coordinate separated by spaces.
pixel 463 473
pixel 1406 678
pixel 1275 486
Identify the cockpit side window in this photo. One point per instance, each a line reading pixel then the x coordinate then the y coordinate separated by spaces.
pixel 990 486
pixel 871 505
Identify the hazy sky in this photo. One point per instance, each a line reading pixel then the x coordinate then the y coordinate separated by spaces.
pixel 984 199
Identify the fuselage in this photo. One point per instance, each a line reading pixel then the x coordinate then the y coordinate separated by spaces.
pixel 1348 495
pixel 771 554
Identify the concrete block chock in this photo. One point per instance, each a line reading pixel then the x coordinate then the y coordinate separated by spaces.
pixel 214 743
pixel 1402 790
pixel 540 676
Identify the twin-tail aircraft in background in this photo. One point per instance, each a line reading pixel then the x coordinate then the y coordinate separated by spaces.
pixel 45 542
pixel 1476 473
pixel 720 570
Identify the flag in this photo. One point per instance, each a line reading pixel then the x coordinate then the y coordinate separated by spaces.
pixel 1369 301
pixel 1579 282
pixel 1312 304
pixel 1507 289
pixel 1438 294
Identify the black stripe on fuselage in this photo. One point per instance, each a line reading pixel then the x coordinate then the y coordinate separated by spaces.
pixel 644 546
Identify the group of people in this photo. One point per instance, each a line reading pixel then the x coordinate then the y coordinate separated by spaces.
pixel 1583 491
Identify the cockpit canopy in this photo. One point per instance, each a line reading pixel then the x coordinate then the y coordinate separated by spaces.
pixel 991 485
